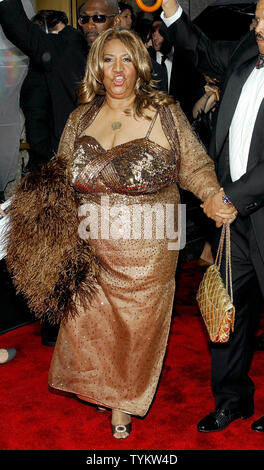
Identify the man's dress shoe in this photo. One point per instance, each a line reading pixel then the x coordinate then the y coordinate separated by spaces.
pixel 258 425
pixel 220 419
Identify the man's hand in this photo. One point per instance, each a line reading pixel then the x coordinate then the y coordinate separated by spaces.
pixel 169 7
pixel 216 209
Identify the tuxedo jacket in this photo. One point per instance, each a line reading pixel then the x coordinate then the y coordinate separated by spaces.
pixel 231 63
pixel 185 82
pixel 36 105
pixel 159 74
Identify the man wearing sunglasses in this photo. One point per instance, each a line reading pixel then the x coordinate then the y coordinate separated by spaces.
pixel 97 16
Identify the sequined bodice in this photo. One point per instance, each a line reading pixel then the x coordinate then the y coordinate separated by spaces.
pixel 135 167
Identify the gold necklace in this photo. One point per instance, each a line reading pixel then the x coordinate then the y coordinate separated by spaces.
pixel 116 125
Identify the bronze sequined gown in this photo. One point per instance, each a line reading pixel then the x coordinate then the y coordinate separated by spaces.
pixel 112 353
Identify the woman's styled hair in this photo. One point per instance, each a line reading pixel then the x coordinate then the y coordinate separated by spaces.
pixel 145 88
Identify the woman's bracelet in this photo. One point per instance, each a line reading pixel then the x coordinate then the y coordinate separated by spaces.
pixel 225 198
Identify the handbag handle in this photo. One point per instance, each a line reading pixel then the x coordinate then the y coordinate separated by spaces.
pixel 225 240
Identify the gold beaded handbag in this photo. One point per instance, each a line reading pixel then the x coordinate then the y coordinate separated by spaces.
pixel 215 303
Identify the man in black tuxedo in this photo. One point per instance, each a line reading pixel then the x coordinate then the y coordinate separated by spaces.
pixel 237 147
pixel 184 80
pixel 161 50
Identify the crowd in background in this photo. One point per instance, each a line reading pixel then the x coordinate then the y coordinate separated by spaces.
pixel 37 103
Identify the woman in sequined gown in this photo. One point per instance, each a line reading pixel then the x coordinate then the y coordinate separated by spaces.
pixel 125 150
pixel 130 144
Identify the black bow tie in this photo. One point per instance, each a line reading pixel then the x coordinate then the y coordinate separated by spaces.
pixel 260 61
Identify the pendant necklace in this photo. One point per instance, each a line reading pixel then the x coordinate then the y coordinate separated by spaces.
pixel 116 125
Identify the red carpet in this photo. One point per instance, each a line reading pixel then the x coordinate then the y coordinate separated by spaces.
pixel 32 418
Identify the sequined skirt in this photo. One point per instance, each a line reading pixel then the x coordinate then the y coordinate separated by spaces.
pixel 112 353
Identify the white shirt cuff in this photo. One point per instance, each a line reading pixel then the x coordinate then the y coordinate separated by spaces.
pixel 169 21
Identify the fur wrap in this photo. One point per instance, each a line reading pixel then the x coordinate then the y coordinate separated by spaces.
pixel 50 264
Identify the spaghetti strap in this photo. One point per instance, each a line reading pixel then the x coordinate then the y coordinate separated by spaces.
pixel 152 124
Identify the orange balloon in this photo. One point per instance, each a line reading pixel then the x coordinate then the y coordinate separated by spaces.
pixel 147 8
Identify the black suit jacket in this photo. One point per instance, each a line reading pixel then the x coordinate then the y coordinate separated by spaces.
pixel 232 63
pixel 185 83
pixel 159 74
pixel 36 105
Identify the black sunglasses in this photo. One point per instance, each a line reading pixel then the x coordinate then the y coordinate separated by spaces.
pixel 96 18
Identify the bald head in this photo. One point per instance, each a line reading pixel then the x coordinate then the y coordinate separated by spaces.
pixel 111 5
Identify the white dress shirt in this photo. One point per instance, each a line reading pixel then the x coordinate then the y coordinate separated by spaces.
pixel 169 21
pixel 243 122
pixel 244 118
